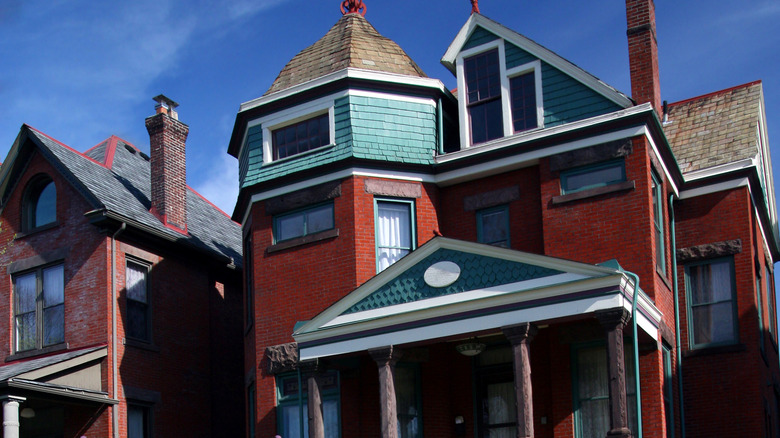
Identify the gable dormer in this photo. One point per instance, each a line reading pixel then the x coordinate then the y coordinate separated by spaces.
pixel 509 85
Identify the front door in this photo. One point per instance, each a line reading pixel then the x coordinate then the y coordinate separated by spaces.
pixel 497 403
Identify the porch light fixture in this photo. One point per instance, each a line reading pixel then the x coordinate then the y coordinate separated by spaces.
pixel 472 348
pixel 27 413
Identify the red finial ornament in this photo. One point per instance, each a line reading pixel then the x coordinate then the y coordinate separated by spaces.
pixel 475 6
pixel 353 7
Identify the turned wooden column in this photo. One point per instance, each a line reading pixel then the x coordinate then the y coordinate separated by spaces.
pixel 521 336
pixel 311 371
pixel 386 358
pixel 614 321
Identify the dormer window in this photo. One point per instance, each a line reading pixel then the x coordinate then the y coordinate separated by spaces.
pixel 39 204
pixel 498 97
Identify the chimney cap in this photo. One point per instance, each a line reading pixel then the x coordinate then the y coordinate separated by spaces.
pixel 161 99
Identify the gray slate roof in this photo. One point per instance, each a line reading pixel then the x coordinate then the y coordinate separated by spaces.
pixel 351 42
pixel 12 370
pixel 124 188
pixel 715 129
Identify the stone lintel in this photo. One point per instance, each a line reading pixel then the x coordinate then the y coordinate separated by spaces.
pixel 282 358
pixel 591 155
pixel 302 198
pixel 709 251
pixel 393 188
pixel 491 199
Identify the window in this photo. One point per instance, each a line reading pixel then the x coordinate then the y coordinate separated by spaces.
pixel 301 137
pixel 493 226
pixel 658 222
pixel 590 177
pixel 483 91
pixel 40 204
pixel 668 392
pixel 249 302
pixel 591 391
pixel 138 421
pixel 39 315
pixel 303 222
pixel 394 231
pixel 138 308
pixel 711 306
pixel 523 99
pixel 760 309
pixel 292 416
pixel 408 400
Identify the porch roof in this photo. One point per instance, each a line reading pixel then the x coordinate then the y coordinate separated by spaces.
pixel 450 288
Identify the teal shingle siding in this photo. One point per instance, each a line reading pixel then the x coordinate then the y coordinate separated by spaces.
pixel 392 130
pixel 251 155
pixel 516 56
pixel 478 37
pixel 567 100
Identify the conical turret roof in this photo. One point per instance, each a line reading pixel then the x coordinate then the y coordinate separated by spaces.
pixel 351 42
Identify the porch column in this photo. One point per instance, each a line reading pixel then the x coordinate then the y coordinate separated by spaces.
pixel 386 358
pixel 11 416
pixel 311 370
pixel 521 336
pixel 613 321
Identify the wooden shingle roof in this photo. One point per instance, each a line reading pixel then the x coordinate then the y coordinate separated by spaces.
pixel 715 129
pixel 351 43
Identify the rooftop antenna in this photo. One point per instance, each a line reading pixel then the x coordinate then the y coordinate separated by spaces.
pixel 475 6
pixel 353 7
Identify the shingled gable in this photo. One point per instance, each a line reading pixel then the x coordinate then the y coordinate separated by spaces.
pixel 418 298
pixel 476 21
pixel 114 179
pixel 351 43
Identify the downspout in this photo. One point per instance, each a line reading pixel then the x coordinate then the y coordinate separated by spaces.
pixel 636 353
pixel 677 347
pixel 114 367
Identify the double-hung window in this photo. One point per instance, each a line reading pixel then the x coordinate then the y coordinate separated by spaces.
pixel 493 226
pixel 394 231
pixel 39 308
pixel 292 405
pixel 522 90
pixel 303 222
pixel 138 303
pixel 711 303
pixel 658 223
pixel 483 93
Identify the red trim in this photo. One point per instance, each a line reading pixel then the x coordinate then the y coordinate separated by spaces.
pixel 715 93
pixel 63 144
pixel 164 220
pixel 212 204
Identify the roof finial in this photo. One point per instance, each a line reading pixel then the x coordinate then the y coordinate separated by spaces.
pixel 353 7
pixel 475 6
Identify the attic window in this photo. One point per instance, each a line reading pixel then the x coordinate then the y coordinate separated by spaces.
pixel 301 137
pixel 39 204
pixel 483 89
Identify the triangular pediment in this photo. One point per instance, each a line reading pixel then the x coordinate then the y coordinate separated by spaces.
pixel 480 30
pixel 451 281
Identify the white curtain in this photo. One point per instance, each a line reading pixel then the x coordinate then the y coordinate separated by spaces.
pixel 53 307
pixel 711 298
pixel 501 409
pixel 25 290
pixel 135 283
pixel 394 234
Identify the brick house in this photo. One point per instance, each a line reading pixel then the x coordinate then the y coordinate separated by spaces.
pixel 533 254
pixel 121 292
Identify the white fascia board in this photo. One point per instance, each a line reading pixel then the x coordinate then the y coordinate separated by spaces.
pixel 669 178
pixel 349 72
pixel 346 173
pixel 714 188
pixel 718 170
pixel 535 49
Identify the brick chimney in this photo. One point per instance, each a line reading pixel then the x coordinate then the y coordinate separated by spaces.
pixel 167 136
pixel 643 52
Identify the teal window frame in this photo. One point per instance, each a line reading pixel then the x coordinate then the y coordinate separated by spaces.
pixel 668 391
pixel 770 304
pixel 249 296
pixel 481 214
pixel 300 398
pixel 417 396
pixel 760 309
pixel 690 307
pixel 576 349
pixel 658 222
pixel 412 230
pixel 567 175
pixel 304 213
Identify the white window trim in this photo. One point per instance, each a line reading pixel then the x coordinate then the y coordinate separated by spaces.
pixel 506 105
pixel 294 115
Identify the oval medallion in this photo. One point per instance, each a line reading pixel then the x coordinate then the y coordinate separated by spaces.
pixel 442 274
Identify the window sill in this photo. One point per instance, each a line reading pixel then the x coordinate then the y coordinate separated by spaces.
pixel 589 193
pixel 32 353
pixel 143 345
pixel 662 275
pixel 298 241
pixel 40 229
pixel 706 351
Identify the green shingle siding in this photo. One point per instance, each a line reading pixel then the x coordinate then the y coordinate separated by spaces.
pixel 516 56
pixel 478 37
pixel 567 100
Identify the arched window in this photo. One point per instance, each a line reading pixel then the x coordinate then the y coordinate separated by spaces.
pixel 40 203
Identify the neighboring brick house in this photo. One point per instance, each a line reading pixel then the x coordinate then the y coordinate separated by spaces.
pixel 121 302
pixel 425 264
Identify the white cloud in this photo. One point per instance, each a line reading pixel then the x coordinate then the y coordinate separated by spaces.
pixel 220 182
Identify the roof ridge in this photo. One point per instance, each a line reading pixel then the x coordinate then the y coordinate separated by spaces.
pixel 715 93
